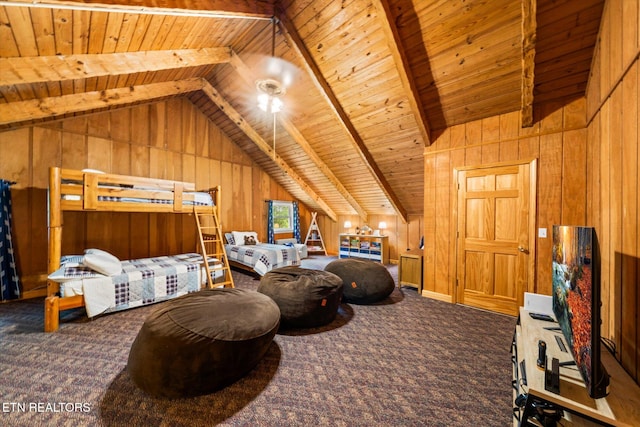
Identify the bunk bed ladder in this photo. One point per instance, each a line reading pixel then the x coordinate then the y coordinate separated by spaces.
pixel 212 246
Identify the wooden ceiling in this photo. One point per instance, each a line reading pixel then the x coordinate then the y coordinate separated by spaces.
pixel 373 82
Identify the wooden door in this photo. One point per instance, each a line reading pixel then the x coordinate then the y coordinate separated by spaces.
pixel 495 236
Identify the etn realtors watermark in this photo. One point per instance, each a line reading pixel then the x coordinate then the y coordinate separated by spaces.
pixel 57 407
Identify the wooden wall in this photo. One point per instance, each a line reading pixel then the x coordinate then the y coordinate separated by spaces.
pixel 170 140
pixel 588 159
pixel 613 160
pixel 558 140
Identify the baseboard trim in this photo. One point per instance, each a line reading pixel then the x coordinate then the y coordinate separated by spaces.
pixel 37 293
pixel 437 296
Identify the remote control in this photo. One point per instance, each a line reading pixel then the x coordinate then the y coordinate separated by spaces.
pixel 540 316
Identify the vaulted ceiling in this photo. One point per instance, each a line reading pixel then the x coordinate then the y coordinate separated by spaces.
pixel 373 81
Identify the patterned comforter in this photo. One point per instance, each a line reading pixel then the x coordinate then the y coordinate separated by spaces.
pixel 263 257
pixel 142 282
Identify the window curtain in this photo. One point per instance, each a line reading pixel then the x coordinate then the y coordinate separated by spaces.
pixel 296 222
pixel 9 279
pixel 270 234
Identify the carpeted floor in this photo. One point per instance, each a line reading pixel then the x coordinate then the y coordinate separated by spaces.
pixel 409 361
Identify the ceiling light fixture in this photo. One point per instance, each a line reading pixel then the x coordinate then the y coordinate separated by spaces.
pixel 269 94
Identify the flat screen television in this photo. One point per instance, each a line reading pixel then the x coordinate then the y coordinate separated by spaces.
pixel 576 301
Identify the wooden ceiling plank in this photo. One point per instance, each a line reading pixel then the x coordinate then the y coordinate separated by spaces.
pixel 248 76
pixel 18 112
pixel 9 94
pixel 528 61
pixel 180 28
pixel 39 69
pixel 96 35
pixel 231 112
pixel 314 72
pixel 43 26
pixel 127 33
pixel 8 47
pixel 63 31
pixel 154 25
pixel 22 26
pixel 80 44
pixel 112 32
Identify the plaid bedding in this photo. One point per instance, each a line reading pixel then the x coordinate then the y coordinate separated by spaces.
pixel 142 282
pixel 263 257
pixel 200 199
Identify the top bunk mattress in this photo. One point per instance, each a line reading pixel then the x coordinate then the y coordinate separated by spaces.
pixel 94 190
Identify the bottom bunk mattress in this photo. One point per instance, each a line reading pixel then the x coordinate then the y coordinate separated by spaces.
pixel 141 282
pixel 263 257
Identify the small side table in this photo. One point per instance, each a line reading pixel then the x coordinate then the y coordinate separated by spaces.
pixel 410 269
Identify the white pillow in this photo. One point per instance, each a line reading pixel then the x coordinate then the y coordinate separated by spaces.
pixel 238 236
pixel 102 262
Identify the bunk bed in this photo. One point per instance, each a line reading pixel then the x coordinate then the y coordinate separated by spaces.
pixel 95 191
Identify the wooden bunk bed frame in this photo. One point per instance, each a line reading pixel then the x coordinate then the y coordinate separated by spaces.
pixel 75 190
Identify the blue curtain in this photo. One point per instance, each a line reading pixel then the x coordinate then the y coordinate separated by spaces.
pixel 9 279
pixel 296 222
pixel 270 234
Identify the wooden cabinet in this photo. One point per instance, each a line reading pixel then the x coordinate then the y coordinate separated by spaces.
pixel 620 407
pixel 375 248
pixel 410 269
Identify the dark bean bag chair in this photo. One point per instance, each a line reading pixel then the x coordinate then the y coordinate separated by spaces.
pixel 365 281
pixel 202 342
pixel 306 298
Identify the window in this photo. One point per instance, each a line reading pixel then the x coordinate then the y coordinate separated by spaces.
pixel 282 217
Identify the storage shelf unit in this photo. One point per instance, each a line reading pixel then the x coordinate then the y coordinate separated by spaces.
pixel 314 242
pixel 375 248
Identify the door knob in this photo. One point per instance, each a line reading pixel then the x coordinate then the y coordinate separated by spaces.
pixel 522 249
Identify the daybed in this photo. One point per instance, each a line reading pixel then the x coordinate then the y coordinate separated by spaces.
pixel 88 190
pixel 258 257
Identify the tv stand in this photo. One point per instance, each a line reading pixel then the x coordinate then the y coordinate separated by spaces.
pixel 572 406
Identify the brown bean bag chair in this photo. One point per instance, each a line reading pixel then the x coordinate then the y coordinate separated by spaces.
pixel 202 342
pixel 306 298
pixel 365 281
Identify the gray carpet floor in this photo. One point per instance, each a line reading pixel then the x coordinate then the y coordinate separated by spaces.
pixel 407 361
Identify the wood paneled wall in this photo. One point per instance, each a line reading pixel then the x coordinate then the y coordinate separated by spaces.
pixel 169 139
pixel 558 140
pixel 613 160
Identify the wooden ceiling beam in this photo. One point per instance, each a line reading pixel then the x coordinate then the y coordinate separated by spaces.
pixel 53 107
pixel 252 134
pixel 204 8
pixel 294 40
pixel 59 68
pixel 249 77
pixel 396 47
pixel 529 34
